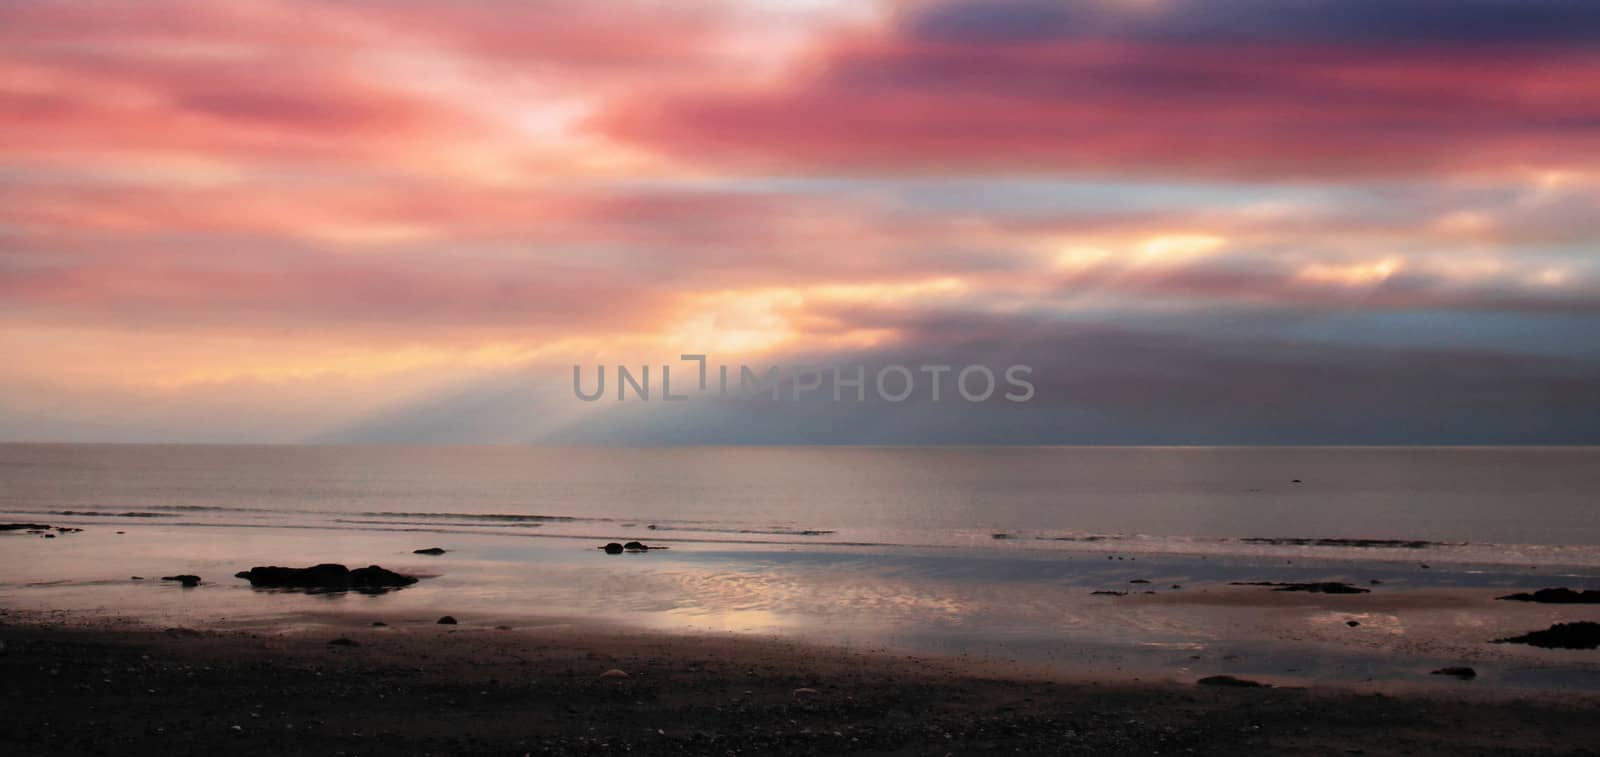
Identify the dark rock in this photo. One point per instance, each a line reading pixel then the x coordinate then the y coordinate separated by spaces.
pixel 428 551
pixel 187 580
pixel 1352 623
pixel 636 546
pixel 1000 536
pixel 379 624
pixel 614 548
pixel 1580 635
pixel 136 578
pixel 24 527
pixel 1557 597
pixel 1138 581
pixel 447 621
pixel 1297 481
pixel 344 642
pixel 1462 672
pixel 1109 593
pixel 1241 683
pixel 1321 587
pixel 325 576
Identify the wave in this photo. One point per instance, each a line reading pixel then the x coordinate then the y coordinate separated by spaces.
pixel 771 531
pixel 1363 543
pixel 357 521
pixel 494 517
pixel 93 513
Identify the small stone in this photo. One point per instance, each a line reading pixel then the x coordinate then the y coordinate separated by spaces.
pixel 428 551
pixel 1457 671
pixel 1352 623
pixel 614 548
pixel 614 673
pixel 804 692
pixel 344 642
pixel 447 620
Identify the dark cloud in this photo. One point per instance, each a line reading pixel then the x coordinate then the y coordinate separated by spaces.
pixel 1476 22
pixel 1096 384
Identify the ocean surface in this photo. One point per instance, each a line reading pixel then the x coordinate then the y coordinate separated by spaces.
pixel 1471 503
pixel 984 551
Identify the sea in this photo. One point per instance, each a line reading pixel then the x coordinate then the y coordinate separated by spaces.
pixel 1119 557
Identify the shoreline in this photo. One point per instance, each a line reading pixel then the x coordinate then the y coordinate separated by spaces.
pixel 72 683
pixel 1170 619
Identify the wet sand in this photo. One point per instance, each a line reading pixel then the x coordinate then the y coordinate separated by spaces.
pixel 77 685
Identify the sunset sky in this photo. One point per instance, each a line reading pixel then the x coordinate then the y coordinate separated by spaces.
pixel 1201 221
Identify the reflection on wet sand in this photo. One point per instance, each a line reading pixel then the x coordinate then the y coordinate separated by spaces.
pixel 992 605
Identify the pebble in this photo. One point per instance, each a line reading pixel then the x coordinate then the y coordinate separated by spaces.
pixel 614 673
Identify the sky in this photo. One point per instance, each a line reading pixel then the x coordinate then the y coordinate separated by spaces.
pixel 1196 221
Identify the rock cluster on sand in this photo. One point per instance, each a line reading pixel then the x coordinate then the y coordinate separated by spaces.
pixel 1242 683
pixel 325 576
pixel 1557 597
pixel 616 548
pixel 1580 635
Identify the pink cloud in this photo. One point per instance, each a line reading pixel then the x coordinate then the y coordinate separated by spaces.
pixel 894 102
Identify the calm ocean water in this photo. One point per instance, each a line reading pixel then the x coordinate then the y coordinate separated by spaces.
pixel 1474 503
